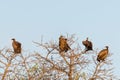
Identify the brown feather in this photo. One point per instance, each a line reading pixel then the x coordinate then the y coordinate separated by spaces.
pixel 16 46
pixel 63 46
pixel 102 54
pixel 88 45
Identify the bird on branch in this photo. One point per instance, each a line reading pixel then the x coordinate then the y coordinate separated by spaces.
pixel 88 45
pixel 63 45
pixel 103 54
pixel 16 46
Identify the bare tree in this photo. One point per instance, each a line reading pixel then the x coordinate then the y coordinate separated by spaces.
pixel 51 64
pixel 73 63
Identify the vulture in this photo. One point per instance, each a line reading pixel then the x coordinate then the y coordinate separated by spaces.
pixel 87 44
pixel 102 54
pixel 16 46
pixel 63 46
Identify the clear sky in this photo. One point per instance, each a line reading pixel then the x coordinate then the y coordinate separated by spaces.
pixel 28 20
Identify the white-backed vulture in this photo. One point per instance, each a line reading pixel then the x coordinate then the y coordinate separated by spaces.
pixel 16 46
pixel 102 54
pixel 63 45
pixel 88 45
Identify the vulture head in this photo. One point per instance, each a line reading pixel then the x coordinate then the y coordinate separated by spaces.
pixel 87 44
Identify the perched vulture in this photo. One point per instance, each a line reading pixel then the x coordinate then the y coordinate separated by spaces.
pixel 87 44
pixel 63 46
pixel 16 46
pixel 102 54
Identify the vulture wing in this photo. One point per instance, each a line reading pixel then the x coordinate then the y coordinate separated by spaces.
pixel 61 44
pixel 18 44
pixel 67 47
pixel 90 45
pixel 102 54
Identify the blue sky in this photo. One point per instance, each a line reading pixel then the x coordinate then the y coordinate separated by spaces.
pixel 28 20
